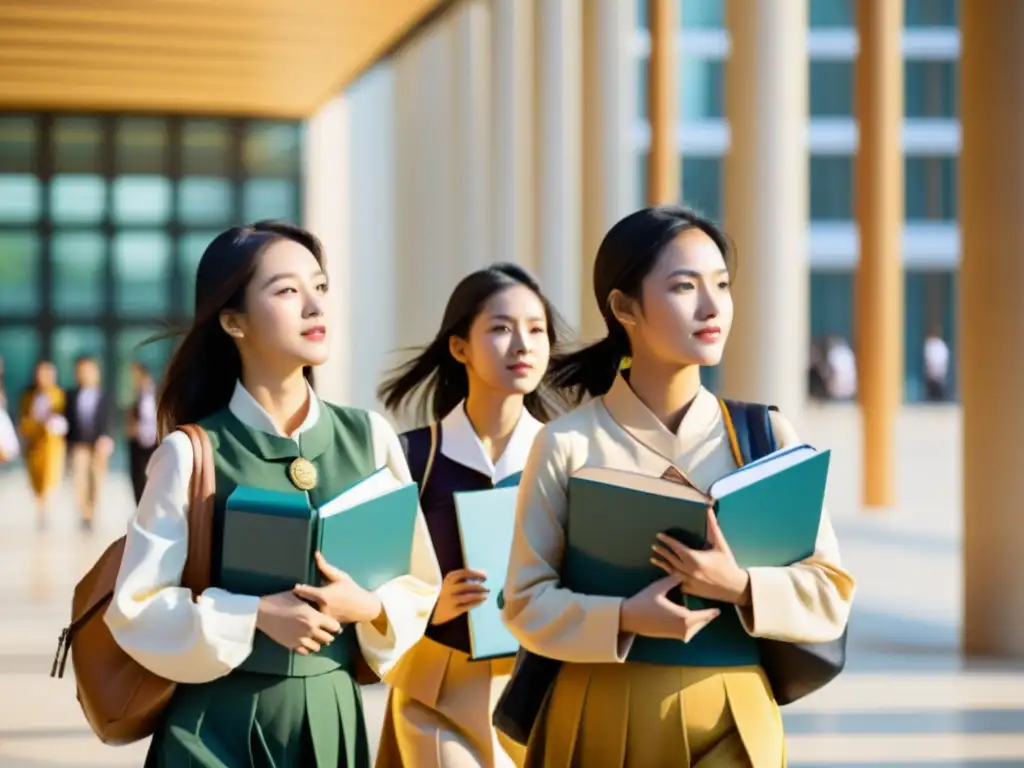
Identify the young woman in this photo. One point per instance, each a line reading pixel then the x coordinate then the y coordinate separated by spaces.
pixel 43 429
pixel 480 378
pixel 141 427
pixel 242 373
pixel 662 282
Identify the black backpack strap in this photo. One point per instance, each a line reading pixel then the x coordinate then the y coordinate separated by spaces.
pixel 420 447
pixel 751 428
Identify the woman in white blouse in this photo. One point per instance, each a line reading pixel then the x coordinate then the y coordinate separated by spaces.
pixel 662 282
pixel 266 680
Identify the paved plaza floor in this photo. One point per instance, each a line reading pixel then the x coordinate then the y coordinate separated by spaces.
pixel 907 698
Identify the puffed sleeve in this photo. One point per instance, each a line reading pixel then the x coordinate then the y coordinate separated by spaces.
pixel 543 616
pixel 408 600
pixel 152 617
pixel 804 603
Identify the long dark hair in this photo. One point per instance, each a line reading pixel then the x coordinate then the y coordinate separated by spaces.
pixel 441 381
pixel 201 375
pixel 626 256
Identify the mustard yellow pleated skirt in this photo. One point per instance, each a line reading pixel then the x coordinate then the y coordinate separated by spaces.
pixel 449 728
pixel 651 716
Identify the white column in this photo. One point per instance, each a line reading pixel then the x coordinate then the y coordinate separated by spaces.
pixel 472 74
pixel 326 213
pixel 559 154
pixel 609 115
pixel 512 132
pixel 766 201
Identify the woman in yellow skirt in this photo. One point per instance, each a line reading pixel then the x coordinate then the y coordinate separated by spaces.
pixel 43 428
pixel 481 380
pixel 661 280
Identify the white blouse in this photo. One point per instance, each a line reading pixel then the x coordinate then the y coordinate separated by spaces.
pixel 155 620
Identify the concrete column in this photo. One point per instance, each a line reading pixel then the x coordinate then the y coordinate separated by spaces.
pixel 558 153
pixel 512 23
pixel 473 130
pixel 992 324
pixel 609 114
pixel 766 202
pixel 326 198
pixel 663 161
pixel 879 210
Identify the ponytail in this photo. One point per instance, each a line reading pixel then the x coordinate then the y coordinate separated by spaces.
pixel 590 371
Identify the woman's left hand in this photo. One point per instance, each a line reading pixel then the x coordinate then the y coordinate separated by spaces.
pixel 341 598
pixel 709 573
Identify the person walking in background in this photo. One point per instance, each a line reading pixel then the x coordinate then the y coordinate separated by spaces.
pixel 842 369
pixel 141 427
pixel 89 436
pixel 936 365
pixel 9 446
pixel 43 429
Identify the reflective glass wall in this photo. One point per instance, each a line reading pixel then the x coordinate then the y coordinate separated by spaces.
pixel 103 220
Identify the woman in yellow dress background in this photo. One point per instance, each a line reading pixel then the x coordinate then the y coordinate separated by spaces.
pixel 662 283
pixel 43 427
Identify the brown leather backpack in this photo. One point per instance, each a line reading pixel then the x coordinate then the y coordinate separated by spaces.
pixel 121 699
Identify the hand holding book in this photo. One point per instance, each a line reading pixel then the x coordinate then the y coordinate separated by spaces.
pixel 295 624
pixel 461 590
pixel 711 573
pixel 340 598
pixel 651 613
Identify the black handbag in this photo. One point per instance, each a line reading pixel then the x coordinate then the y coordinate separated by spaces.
pixel 794 670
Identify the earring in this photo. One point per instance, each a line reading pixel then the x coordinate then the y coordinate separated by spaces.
pixel 625 362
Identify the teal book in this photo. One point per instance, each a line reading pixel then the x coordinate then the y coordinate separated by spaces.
pixel 486 520
pixel 270 537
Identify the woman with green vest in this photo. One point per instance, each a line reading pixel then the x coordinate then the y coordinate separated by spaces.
pixel 662 283
pixel 480 384
pixel 265 680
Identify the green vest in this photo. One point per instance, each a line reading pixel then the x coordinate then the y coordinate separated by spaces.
pixel 340 446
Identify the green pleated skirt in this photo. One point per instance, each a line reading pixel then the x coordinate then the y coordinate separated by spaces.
pixel 249 720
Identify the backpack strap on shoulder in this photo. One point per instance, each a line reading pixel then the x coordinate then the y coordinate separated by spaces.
pixel 420 446
pixel 749 428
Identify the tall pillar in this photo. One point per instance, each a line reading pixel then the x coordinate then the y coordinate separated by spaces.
pixel 609 114
pixel 663 166
pixel 766 202
pixel 512 132
pixel 558 153
pixel 879 210
pixel 326 198
pixel 992 324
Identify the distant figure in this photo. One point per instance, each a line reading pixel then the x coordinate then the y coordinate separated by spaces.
pixel 936 365
pixel 842 369
pixel 817 373
pixel 89 436
pixel 141 427
pixel 43 428
pixel 9 445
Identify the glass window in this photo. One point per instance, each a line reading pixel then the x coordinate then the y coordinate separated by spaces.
pixel 77 144
pixel 931 13
pixel 271 149
pixel 270 199
pixel 19 198
pixel 702 88
pixel 19 272
pixel 831 13
pixel 205 201
pixel 19 142
pixel 71 341
pixel 131 346
pixel 831 304
pixel 19 351
pixel 702 14
pixel 931 188
pixel 931 88
pixel 831 192
pixel 79 274
pixel 142 273
pixel 702 185
pixel 206 148
pixel 78 199
pixel 831 88
pixel 190 251
pixel 140 145
pixel 142 200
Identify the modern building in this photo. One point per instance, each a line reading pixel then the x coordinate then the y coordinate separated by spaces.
pixel 422 139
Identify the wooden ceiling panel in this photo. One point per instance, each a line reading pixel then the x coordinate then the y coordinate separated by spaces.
pixel 278 58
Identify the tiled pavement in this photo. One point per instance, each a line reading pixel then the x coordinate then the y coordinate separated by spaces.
pixel 906 700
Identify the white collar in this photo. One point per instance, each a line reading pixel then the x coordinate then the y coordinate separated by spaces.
pixel 254 415
pixel 460 443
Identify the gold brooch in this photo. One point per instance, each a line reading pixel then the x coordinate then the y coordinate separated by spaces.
pixel 302 474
